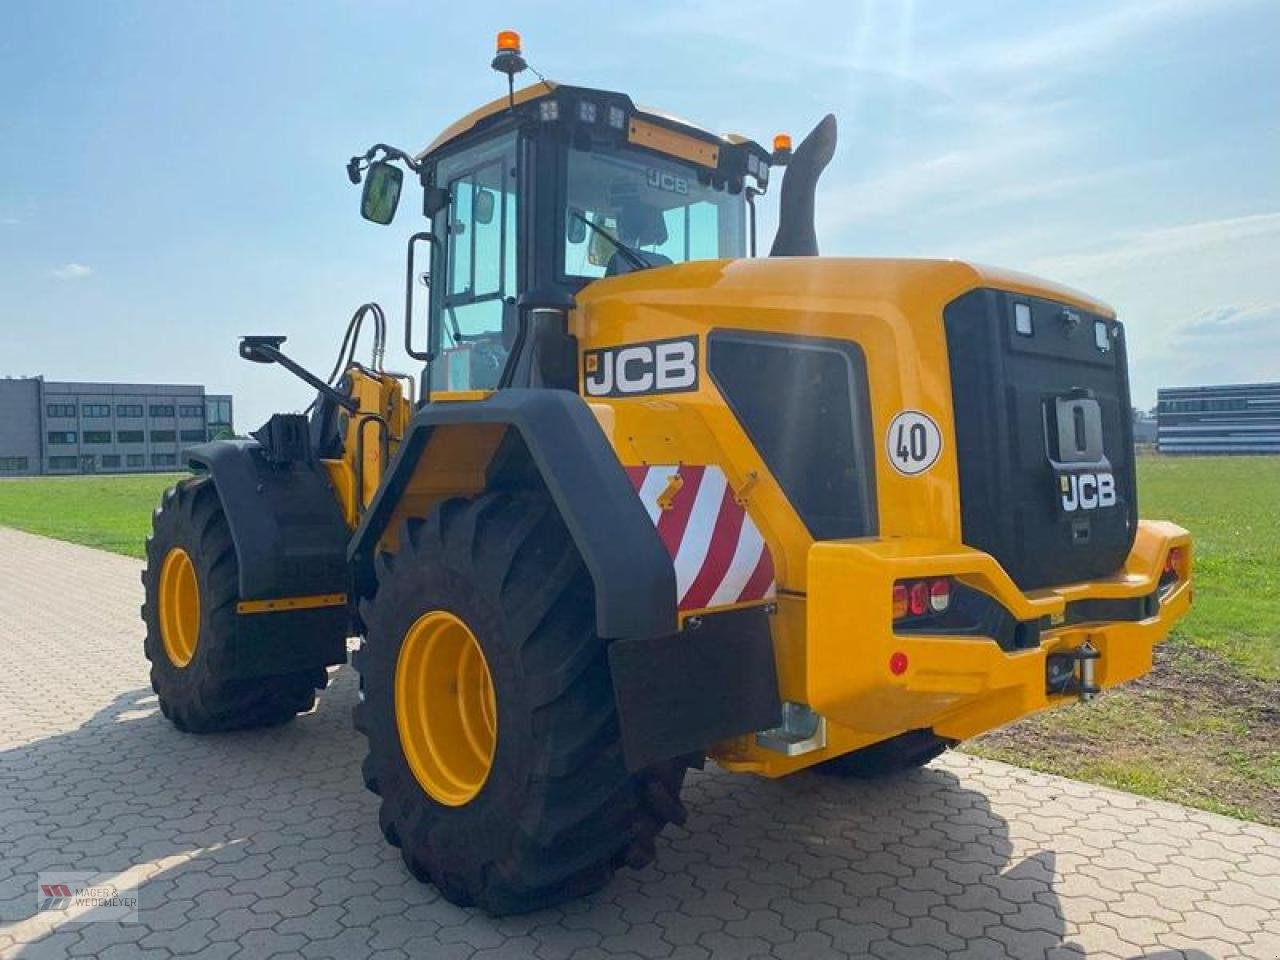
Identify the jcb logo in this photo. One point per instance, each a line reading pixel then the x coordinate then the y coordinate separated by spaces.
pixel 661 180
pixel 1087 491
pixel 659 366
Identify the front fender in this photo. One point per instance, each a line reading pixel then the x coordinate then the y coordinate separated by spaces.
pixel 285 521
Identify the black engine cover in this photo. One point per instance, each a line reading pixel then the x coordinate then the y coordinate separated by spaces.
pixel 1044 435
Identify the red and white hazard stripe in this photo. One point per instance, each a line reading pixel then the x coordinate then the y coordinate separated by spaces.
pixel 718 553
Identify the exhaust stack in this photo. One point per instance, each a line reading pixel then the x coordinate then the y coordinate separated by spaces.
pixel 796 235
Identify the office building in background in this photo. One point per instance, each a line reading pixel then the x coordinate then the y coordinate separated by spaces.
pixel 50 427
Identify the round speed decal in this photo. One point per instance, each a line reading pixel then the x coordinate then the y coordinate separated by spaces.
pixel 913 442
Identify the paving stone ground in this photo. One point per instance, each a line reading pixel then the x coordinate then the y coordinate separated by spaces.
pixel 266 844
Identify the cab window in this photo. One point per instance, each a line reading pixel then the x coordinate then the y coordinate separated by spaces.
pixel 666 210
pixel 479 257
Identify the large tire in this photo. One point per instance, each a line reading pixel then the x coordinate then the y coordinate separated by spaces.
pixel 907 751
pixel 557 812
pixel 199 695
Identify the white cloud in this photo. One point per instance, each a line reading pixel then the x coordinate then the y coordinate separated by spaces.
pixel 987 173
pixel 71 271
pixel 1249 323
pixel 1237 343
pixel 10 221
pixel 896 40
pixel 1203 237
pixel 1201 300
pixel 1077 39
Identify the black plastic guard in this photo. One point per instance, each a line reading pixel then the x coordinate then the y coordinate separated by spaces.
pixel 634 580
pixel 682 693
pixel 290 541
pixel 290 537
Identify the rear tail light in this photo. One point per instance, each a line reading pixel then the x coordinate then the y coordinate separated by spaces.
pixel 919 598
pixel 901 604
pixel 919 593
pixel 940 596
pixel 1173 563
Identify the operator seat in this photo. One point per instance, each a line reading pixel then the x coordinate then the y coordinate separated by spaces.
pixel 639 225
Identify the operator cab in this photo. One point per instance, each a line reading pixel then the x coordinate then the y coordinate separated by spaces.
pixel 535 195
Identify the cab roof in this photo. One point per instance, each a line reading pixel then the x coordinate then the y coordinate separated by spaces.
pixel 546 88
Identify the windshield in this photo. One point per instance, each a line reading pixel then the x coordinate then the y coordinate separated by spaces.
pixel 654 205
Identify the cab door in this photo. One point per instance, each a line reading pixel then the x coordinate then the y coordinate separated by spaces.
pixel 475 284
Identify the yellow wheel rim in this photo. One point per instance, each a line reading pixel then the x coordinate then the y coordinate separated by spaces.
pixel 446 710
pixel 179 607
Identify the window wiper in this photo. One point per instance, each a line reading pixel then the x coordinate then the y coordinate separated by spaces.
pixel 632 257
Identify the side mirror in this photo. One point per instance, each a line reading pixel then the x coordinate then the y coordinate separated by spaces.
pixel 484 204
pixel 381 194
pixel 576 230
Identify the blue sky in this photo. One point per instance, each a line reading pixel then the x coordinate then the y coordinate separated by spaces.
pixel 171 174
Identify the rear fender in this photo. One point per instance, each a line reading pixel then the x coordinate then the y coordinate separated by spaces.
pixel 678 691
pixel 518 437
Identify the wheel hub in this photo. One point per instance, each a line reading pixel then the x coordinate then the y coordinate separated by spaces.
pixel 446 709
pixel 179 605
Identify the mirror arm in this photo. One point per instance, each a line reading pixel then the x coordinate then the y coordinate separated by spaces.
pixel 357 165
pixel 266 349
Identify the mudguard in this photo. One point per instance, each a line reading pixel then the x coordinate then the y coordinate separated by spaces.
pixel 285 521
pixel 290 542
pixel 634 580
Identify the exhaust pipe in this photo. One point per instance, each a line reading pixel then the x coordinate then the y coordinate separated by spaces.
pixel 796 236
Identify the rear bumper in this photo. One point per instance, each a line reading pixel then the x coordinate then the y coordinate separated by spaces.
pixel 958 686
pixel 961 686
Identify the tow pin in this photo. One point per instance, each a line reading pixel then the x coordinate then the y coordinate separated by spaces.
pixel 1088 656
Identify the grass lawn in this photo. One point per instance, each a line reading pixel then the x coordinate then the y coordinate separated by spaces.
pixel 111 513
pixel 1202 728
pixel 1231 505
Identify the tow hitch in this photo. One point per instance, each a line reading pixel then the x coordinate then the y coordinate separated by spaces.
pixel 1073 672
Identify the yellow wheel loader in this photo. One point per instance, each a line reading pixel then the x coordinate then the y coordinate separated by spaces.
pixel 650 499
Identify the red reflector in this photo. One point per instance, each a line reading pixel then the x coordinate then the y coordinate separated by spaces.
pixel 919 598
pixel 1173 562
pixel 940 595
pixel 899 600
pixel 898 664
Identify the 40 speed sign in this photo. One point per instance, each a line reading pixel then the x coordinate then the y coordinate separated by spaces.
pixel 913 442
